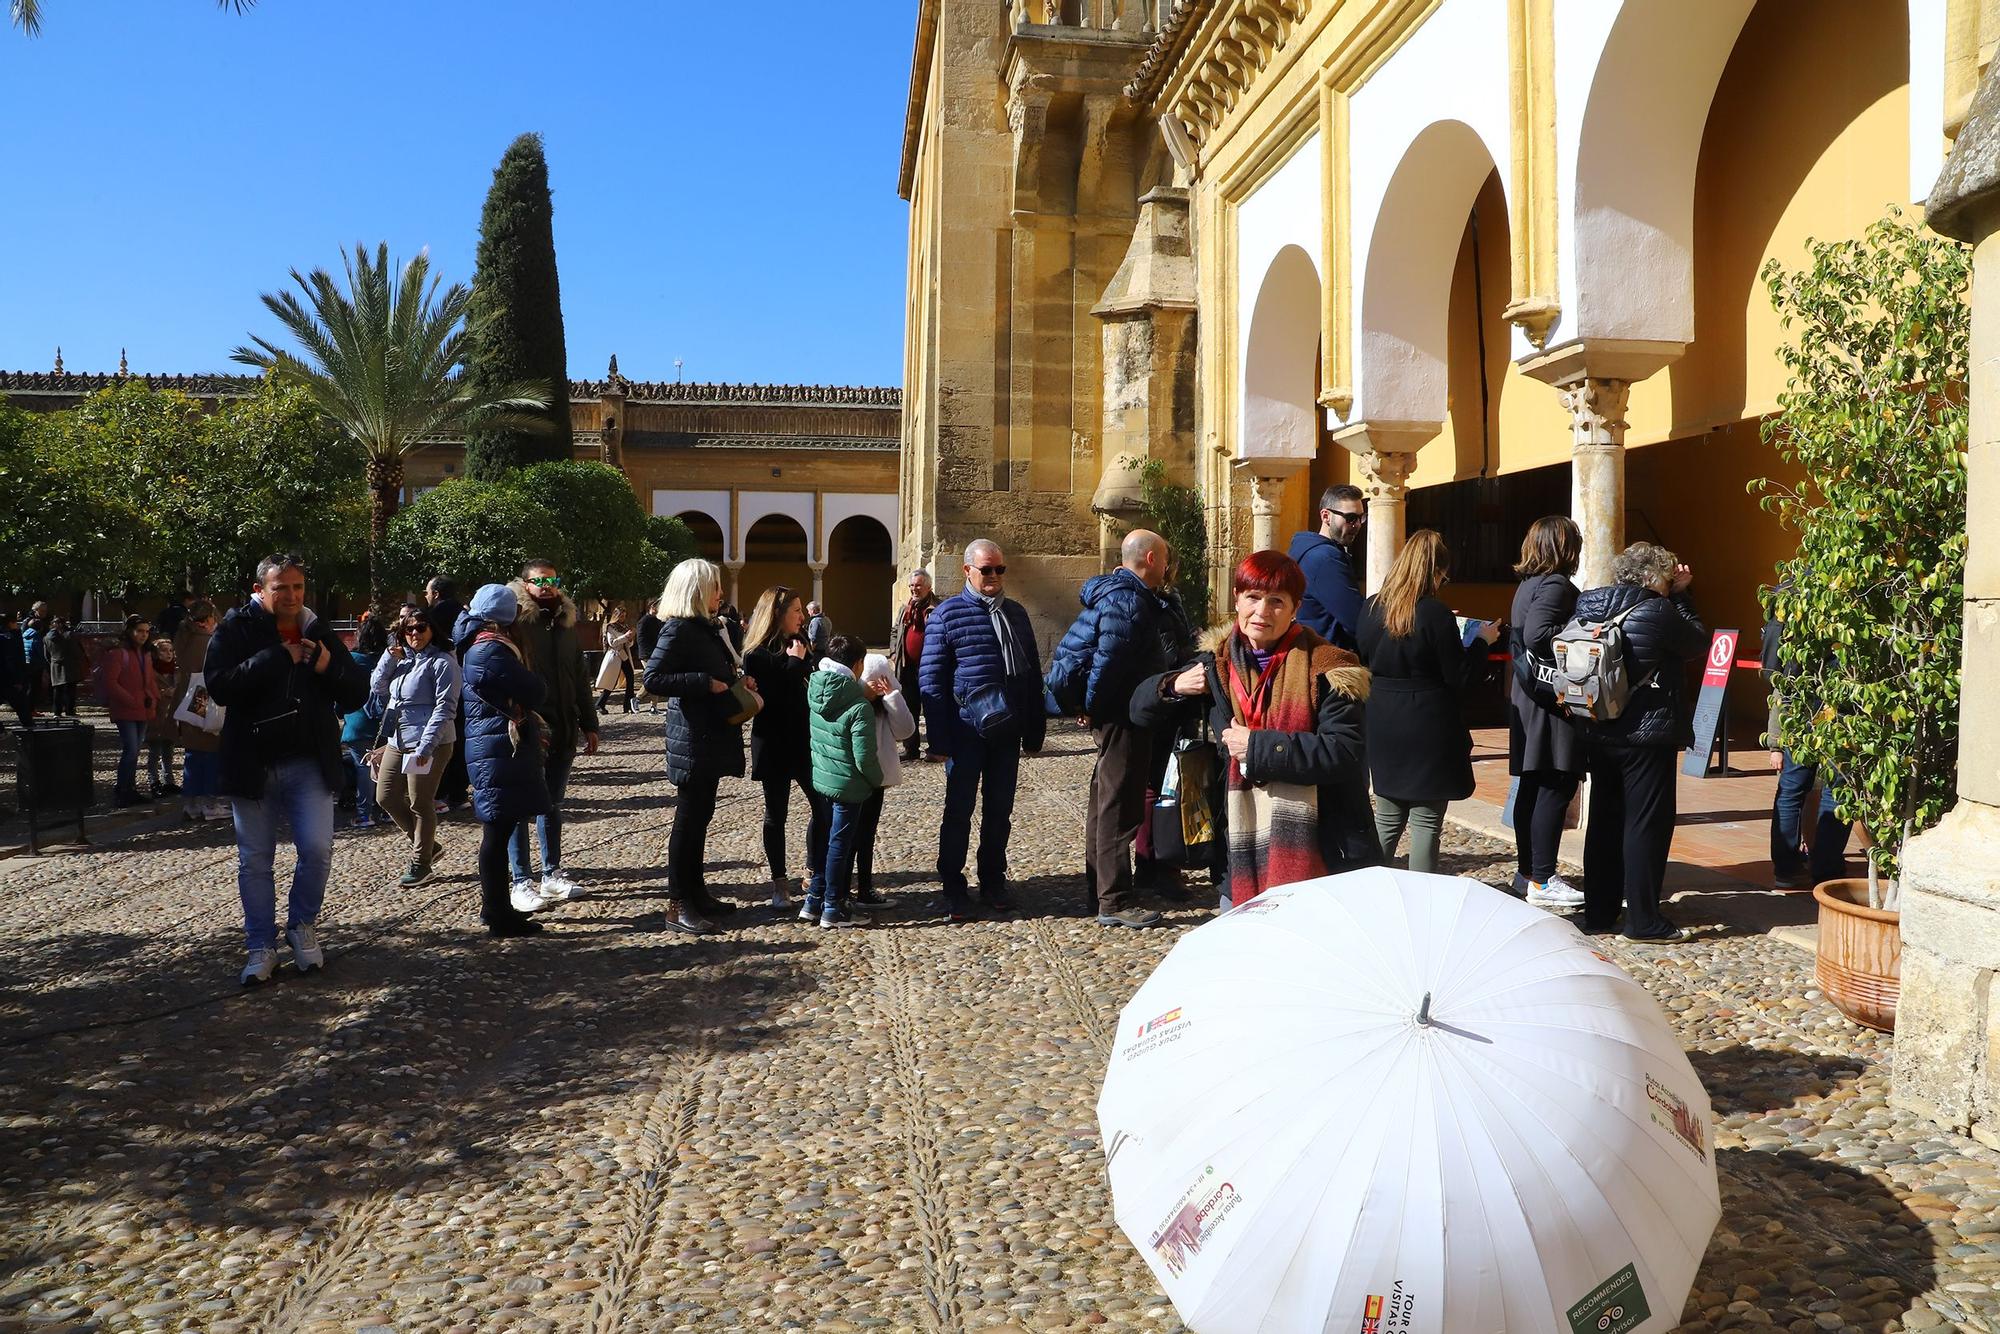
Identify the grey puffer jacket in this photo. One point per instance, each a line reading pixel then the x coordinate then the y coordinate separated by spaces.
pixel 1662 635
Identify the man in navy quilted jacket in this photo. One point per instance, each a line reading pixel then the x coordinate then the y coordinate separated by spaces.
pixel 982 688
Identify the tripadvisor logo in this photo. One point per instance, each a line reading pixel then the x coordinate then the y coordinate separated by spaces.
pixel 1613 1306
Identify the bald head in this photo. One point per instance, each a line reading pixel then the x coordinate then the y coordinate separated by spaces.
pixel 1144 553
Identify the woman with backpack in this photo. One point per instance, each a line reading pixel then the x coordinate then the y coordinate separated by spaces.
pixel 1544 750
pixel 504 743
pixel 1419 749
pixel 1632 757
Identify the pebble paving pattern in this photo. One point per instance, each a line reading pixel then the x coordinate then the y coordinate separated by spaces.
pixel 609 1128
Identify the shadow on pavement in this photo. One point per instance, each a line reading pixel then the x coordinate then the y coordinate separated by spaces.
pixel 1759 1080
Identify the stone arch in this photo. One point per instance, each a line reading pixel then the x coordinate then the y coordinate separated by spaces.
pixel 1405 345
pixel 774 552
pixel 1281 361
pixel 1638 144
pixel 707 533
pixel 860 578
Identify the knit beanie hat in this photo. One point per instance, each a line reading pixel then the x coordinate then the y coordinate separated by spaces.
pixel 496 603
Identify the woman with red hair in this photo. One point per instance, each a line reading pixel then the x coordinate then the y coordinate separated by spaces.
pixel 1287 709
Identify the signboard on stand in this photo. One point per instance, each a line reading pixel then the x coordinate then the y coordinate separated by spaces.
pixel 1710 717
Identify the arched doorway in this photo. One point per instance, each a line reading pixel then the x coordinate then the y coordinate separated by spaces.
pixel 1281 373
pixel 861 579
pixel 774 552
pixel 707 534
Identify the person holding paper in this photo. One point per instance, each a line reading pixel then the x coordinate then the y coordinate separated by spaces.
pixel 417 684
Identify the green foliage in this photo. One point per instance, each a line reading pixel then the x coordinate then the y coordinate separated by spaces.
pixel 475 532
pixel 1177 514
pixel 1874 413
pixel 517 315
pixel 672 538
pixel 602 523
pixel 61 528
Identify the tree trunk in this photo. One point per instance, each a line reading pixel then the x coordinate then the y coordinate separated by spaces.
pixel 385 484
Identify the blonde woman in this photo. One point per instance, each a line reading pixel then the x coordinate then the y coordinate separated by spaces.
pixel 693 667
pixel 1419 751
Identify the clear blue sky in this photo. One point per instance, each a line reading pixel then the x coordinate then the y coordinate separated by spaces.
pixel 724 173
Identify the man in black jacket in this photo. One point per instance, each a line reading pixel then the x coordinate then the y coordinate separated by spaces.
pixel 285 681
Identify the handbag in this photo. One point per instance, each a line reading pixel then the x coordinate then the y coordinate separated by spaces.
pixel 988 711
pixel 1183 820
pixel 743 704
pixel 196 709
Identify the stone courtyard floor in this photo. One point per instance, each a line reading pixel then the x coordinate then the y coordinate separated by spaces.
pixel 610 1128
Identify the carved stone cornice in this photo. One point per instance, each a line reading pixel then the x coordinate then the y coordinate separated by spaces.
pixel 1208 55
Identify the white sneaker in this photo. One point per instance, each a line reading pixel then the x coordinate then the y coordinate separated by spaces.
pixel 306 953
pixel 1557 893
pixel 559 888
pixel 526 897
pixel 258 968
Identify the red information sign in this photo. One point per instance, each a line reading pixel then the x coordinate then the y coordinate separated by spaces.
pixel 1721 656
pixel 1708 708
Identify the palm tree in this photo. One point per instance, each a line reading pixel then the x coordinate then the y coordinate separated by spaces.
pixel 27 14
pixel 383 362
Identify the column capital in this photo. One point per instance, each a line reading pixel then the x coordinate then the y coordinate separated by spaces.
pixel 1626 359
pixel 1596 409
pixel 816 566
pixel 732 565
pixel 1387 437
pixel 1385 475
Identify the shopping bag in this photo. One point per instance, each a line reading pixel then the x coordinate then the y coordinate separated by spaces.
pixel 196 709
pixel 1184 825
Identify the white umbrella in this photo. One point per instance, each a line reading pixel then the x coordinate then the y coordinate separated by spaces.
pixel 1390 1103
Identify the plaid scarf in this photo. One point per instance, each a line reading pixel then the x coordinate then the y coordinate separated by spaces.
pixel 1274 827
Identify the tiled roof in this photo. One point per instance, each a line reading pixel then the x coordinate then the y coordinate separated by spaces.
pixel 238 386
pixel 1165 50
pixel 71 382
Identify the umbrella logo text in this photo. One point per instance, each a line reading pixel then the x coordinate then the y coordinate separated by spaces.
pixel 1193 1222
pixel 1670 1112
pixel 1617 1304
pixel 1158 1032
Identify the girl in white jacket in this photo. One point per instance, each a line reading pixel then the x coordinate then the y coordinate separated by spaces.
pixel 894 724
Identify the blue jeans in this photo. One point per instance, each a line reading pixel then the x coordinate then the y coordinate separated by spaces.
pixel 1829 844
pixel 130 737
pixel 835 875
pixel 296 792
pixel 975 763
pixel 364 784
pixel 200 772
pixel 548 828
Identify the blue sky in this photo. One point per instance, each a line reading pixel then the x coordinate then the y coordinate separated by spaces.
pixel 724 173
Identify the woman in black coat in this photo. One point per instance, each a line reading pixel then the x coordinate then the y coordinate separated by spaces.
pixel 780 660
pixel 504 745
pixel 1419 750
pixel 1544 750
pixel 1632 764
pixel 693 667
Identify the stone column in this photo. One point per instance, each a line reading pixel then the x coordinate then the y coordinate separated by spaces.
pixel 1947 1056
pixel 734 570
pixel 1597 471
pixel 1267 497
pixel 818 569
pixel 1385 481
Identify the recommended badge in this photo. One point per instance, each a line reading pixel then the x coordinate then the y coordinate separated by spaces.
pixel 1614 1306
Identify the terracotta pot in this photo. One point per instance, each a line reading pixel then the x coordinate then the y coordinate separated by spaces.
pixel 1859 964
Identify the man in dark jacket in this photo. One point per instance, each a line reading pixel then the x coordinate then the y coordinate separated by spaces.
pixel 1632 758
pixel 906 655
pixel 546 628
pixel 1331 559
pixel 648 637
pixel 1118 635
pixel 982 686
pixel 285 682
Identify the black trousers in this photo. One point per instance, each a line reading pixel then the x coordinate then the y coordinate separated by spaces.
pixel 1117 810
pixel 1632 809
pixel 456 785
pixel 63 700
pixel 687 845
pixel 1539 807
pixel 496 882
pixel 777 810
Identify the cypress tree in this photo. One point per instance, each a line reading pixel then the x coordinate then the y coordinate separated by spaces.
pixel 516 313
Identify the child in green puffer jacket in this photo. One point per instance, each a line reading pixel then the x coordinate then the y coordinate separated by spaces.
pixel 845 768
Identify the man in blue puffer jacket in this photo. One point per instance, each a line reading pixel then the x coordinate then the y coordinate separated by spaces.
pixel 1118 635
pixel 982 686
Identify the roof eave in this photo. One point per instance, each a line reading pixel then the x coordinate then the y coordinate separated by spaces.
pixel 920 82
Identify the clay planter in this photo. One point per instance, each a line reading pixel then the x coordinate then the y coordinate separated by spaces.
pixel 1860 961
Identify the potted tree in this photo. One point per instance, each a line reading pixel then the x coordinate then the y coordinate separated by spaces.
pixel 1874 417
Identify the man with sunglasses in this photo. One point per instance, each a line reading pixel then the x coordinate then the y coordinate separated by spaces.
pixel 546 628
pixel 981 679
pixel 1332 560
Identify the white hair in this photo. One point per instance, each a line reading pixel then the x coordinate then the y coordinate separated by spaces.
pixel 921 573
pixel 979 544
pixel 690 588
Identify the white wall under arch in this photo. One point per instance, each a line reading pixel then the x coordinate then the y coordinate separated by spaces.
pixel 1283 211
pixel 754 505
pixel 715 504
pixel 1280 408
pixel 837 506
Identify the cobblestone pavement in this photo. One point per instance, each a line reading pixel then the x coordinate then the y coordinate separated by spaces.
pixel 609 1128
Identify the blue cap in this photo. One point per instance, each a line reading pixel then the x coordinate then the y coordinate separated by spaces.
pixel 496 603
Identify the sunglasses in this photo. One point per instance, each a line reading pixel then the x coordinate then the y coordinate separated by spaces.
pixel 416 628
pixel 547 581
pixel 991 569
pixel 1358 516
